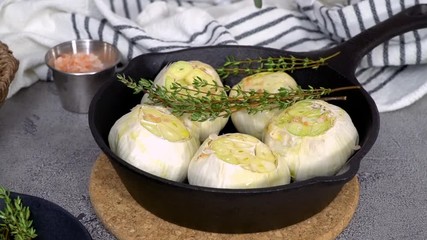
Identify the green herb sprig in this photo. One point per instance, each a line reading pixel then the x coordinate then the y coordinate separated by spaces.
pixel 233 66
pixel 15 220
pixel 208 105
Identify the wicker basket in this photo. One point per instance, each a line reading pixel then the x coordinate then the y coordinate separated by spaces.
pixel 8 67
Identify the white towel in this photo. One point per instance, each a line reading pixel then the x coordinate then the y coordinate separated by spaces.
pixel 393 73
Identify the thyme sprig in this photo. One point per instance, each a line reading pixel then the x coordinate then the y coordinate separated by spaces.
pixel 15 219
pixel 233 66
pixel 207 105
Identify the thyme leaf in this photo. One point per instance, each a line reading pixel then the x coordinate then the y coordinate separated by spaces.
pixel 203 105
pixel 15 219
pixel 232 66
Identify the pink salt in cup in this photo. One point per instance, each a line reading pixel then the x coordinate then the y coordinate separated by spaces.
pixel 79 68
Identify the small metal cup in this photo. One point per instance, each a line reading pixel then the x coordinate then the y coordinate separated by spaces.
pixel 76 90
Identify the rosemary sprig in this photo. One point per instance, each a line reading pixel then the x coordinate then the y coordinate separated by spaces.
pixel 208 105
pixel 270 64
pixel 15 219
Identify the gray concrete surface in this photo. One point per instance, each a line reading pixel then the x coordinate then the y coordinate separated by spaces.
pixel 49 152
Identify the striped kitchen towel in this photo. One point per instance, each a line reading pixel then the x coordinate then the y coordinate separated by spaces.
pixel 393 73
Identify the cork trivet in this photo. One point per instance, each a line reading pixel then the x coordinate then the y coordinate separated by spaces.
pixel 127 220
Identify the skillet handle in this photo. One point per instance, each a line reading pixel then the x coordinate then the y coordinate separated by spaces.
pixel 354 49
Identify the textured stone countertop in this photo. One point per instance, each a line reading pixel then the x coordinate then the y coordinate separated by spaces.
pixel 49 152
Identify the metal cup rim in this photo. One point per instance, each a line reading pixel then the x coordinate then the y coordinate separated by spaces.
pixel 49 56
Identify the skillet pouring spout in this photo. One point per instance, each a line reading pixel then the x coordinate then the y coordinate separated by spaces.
pixel 260 209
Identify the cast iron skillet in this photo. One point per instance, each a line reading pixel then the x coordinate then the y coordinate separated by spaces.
pixel 238 211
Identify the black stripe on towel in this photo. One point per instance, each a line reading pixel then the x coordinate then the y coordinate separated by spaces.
pixel 138 5
pixel 212 39
pixel 266 26
pixel 87 19
pixel 130 50
pixel 334 28
pixel 145 37
pixel 359 17
pixel 226 42
pixel 125 27
pixel 204 31
pixel 373 76
pixel 74 23
pixel 386 43
pixel 126 8
pixel 362 28
pixel 360 71
pixel 377 20
pixel 248 17
pixel 402 49
pixel 213 33
pixel 305 8
pixel 374 11
pixel 417 47
pixel 279 36
pixel 101 29
pixel 325 23
pixel 402 40
pixel 388 80
pixel 417 43
pixel 344 23
pixel 115 38
pixel 385 53
pixel 388 7
pixel 113 9
pixel 301 41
